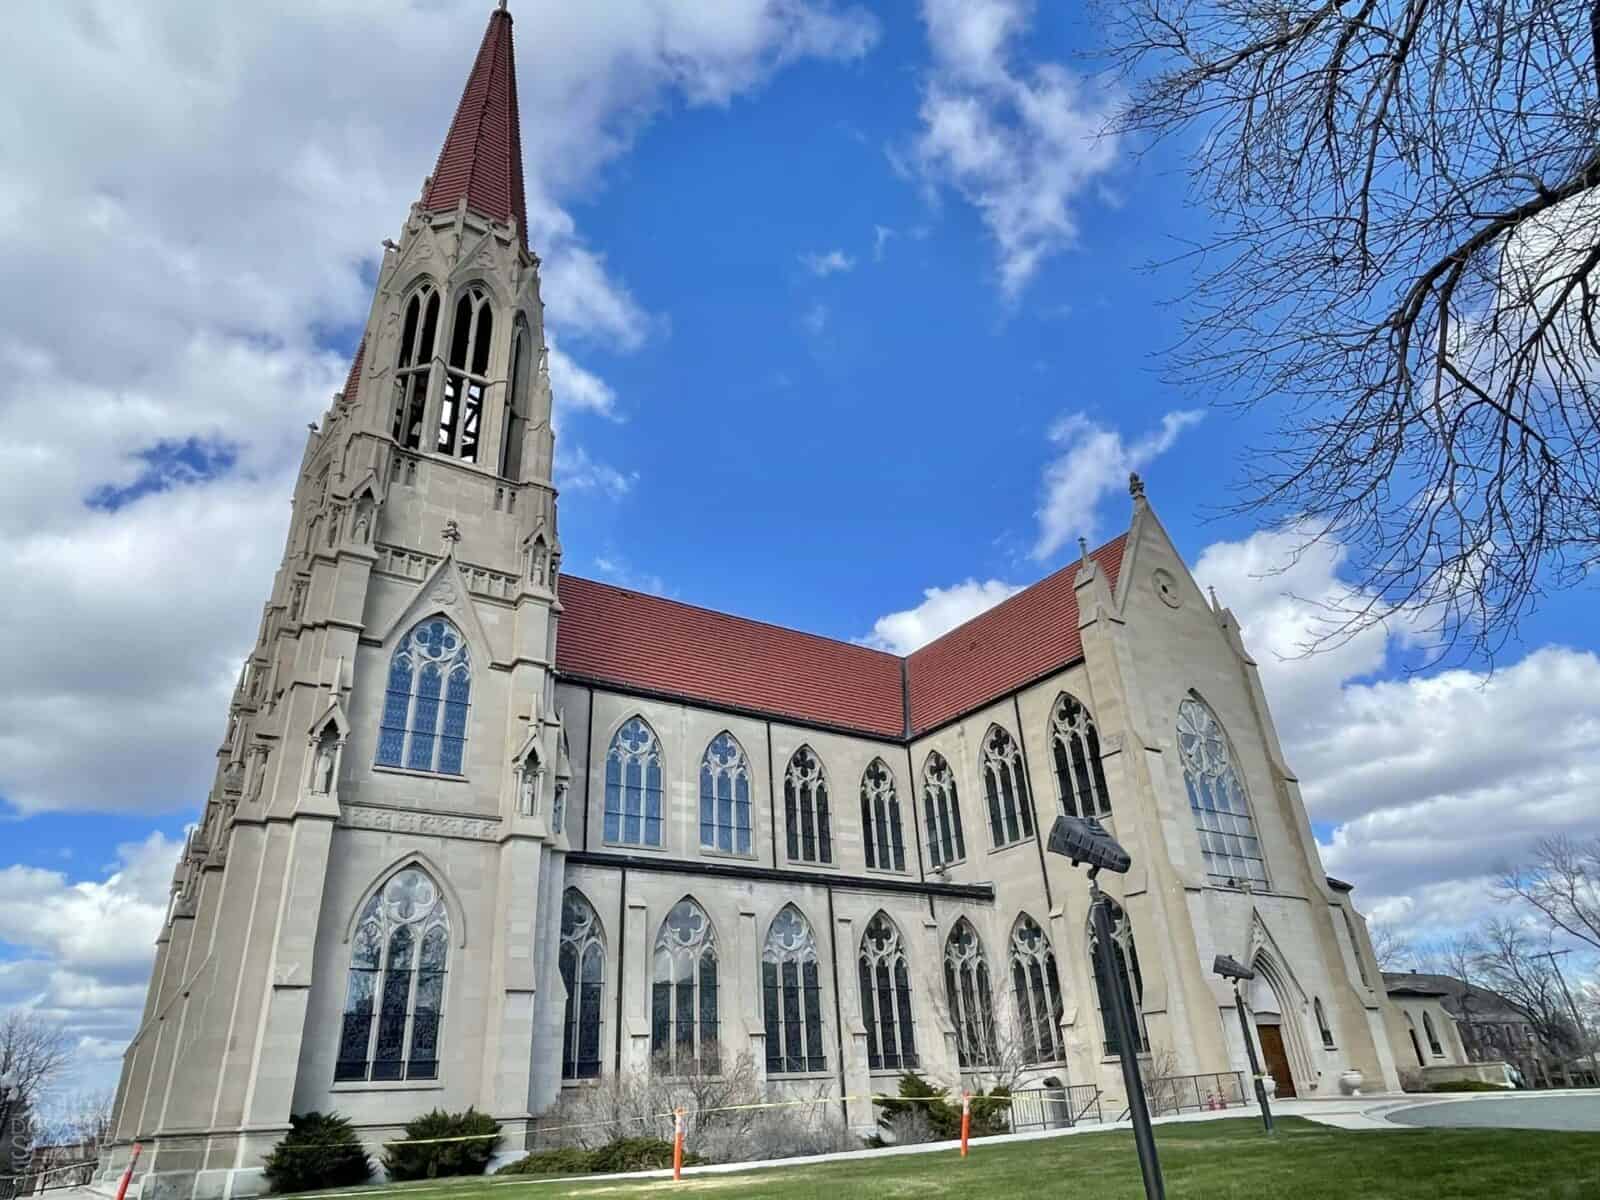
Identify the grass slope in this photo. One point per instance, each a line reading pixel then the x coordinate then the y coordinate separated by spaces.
pixel 1212 1160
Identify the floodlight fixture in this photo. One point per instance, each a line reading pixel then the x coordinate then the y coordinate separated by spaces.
pixel 1230 968
pixel 1085 840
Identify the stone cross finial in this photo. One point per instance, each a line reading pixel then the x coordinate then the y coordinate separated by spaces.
pixel 1135 485
pixel 451 533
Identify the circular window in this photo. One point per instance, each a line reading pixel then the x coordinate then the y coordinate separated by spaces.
pixel 1167 588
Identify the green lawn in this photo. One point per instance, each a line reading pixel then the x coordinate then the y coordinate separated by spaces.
pixel 1221 1159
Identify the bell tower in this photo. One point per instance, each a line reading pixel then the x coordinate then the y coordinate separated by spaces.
pixel 393 747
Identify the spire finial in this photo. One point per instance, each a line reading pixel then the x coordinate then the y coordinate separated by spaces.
pixel 1135 485
pixel 1215 605
pixel 502 5
pixel 451 533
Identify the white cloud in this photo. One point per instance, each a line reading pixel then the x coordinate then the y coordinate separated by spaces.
pixel 880 241
pixel 1020 143
pixel 576 471
pixel 197 196
pixel 824 264
pixel 1432 780
pixel 941 610
pixel 86 948
pixel 815 319
pixel 620 572
pixel 1093 463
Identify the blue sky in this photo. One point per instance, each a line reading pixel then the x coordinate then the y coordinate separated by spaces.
pixel 853 333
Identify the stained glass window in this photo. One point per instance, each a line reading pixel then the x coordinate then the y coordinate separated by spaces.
pixel 725 796
pixel 583 966
pixel 633 786
pixel 1128 980
pixel 1217 798
pixel 1322 1024
pixel 969 998
pixel 1036 988
pixel 791 993
pixel 683 998
pixel 1075 747
pixel 397 962
pixel 1006 786
pixel 880 819
pixel 424 722
pixel 805 808
pixel 942 812
pixel 886 998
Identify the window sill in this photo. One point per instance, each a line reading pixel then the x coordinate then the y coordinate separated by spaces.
pixel 736 855
pixel 416 774
pixel 634 846
pixel 798 1076
pixel 893 872
pixel 1012 845
pixel 388 1085
pixel 821 866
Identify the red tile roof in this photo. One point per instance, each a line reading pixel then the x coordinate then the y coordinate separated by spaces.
pixel 353 381
pixel 637 642
pixel 482 155
pixel 1013 643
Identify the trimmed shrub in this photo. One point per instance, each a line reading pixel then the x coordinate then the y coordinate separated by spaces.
pixel 990 1111
pixel 474 1136
pixel 1466 1085
pixel 320 1150
pixel 567 1160
pixel 637 1154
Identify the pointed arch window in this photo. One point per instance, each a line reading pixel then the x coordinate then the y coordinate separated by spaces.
pixel 1036 989
pixel 1075 748
pixel 942 812
pixel 1006 785
pixel 1433 1035
pixel 1416 1042
pixel 424 725
pixel 1128 980
pixel 885 981
pixel 805 808
pixel 414 366
pixel 791 995
pixel 516 423
pixel 683 996
pixel 633 786
pixel 396 986
pixel 466 376
pixel 1217 798
pixel 1322 1024
pixel 583 970
pixel 725 796
pixel 969 997
pixel 880 819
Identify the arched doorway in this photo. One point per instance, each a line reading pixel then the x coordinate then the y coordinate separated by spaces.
pixel 1278 1032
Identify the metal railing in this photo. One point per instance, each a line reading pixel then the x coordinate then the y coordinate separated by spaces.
pixel 1054 1107
pixel 1183 1093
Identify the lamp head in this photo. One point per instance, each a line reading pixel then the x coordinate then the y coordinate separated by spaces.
pixel 1084 839
pixel 1229 968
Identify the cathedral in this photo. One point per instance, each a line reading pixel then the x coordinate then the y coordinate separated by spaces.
pixel 483 832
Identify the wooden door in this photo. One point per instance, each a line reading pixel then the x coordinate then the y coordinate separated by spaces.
pixel 1277 1059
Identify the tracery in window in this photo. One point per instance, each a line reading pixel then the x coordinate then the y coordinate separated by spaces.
pixel 466 376
pixel 516 423
pixel 397 962
pixel 880 819
pixel 791 995
pixel 1128 980
pixel 1075 748
pixel 633 786
pixel 805 808
pixel 885 984
pixel 1036 990
pixel 424 724
pixel 942 812
pixel 683 997
pixel 414 366
pixel 1217 798
pixel 1322 1024
pixel 968 997
pixel 725 796
pixel 1006 785
pixel 583 970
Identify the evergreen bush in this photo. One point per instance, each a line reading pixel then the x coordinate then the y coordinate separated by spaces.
pixel 450 1144
pixel 614 1158
pixel 565 1160
pixel 320 1150
pixel 990 1111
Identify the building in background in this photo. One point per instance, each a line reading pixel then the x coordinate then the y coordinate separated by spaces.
pixel 483 832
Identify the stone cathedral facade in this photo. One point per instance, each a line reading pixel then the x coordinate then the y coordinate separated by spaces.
pixel 482 832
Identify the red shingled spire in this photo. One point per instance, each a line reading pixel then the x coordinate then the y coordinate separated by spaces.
pixel 482 154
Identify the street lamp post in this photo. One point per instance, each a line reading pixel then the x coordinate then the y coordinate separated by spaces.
pixel 1577 1021
pixel 1085 840
pixel 1237 974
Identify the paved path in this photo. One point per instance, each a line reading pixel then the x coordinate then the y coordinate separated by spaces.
pixel 1574 1111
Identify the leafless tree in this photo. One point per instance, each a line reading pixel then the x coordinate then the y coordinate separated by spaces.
pixel 33 1051
pixel 1405 272
pixel 81 1119
pixel 991 1039
pixel 1561 881
pixel 1392 950
pixel 1513 961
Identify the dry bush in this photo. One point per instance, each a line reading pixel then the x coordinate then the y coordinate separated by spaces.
pixel 909 1128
